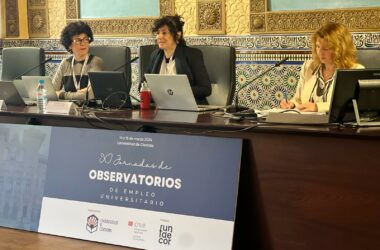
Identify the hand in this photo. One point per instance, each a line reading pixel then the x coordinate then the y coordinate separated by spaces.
pixel 286 105
pixel 308 107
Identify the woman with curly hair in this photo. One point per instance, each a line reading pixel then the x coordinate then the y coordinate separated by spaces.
pixel 71 80
pixel 173 57
pixel 332 49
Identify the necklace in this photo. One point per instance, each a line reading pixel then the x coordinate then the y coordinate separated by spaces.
pixel 77 83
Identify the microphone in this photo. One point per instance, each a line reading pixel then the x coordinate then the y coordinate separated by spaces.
pixel 26 72
pixel 236 108
pixel 130 61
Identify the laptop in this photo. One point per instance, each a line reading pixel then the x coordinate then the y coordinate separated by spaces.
pixel 19 84
pixel 11 96
pixel 174 92
pixel 111 88
pixel 31 83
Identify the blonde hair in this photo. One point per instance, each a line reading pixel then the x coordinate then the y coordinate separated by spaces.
pixel 341 43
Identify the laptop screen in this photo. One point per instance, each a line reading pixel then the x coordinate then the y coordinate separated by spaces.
pixel 111 88
pixel 346 89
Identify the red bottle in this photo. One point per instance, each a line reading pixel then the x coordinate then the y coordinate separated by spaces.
pixel 144 96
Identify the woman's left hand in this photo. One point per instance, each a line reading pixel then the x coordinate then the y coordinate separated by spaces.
pixel 308 107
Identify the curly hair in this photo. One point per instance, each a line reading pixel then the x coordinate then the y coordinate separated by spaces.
pixel 175 25
pixel 73 29
pixel 341 43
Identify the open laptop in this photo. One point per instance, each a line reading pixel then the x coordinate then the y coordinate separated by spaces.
pixel 11 96
pixel 31 83
pixel 111 88
pixel 174 92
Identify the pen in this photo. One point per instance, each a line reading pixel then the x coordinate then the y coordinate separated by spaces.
pixel 286 96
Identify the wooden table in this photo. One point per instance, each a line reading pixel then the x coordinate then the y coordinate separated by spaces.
pixel 301 187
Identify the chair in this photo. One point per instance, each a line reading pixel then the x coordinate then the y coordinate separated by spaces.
pixel 144 53
pixel 19 60
pixel 116 58
pixel 220 65
pixel 369 58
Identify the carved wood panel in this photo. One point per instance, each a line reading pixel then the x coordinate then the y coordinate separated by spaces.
pixel 38 18
pixel 119 26
pixel 264 21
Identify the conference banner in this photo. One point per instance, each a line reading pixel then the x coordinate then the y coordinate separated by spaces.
pixel 142 190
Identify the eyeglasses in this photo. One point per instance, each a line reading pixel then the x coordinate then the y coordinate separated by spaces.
pixel 79 41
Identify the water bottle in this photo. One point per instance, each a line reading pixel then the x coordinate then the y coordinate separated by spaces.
pixel 41 96
pixel 144 96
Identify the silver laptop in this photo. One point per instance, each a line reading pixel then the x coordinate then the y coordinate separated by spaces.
pixel 11 96
pixel 31 83
pixel 174 92
pixel 19 84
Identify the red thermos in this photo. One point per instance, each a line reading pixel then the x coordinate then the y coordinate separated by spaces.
pixel 144 96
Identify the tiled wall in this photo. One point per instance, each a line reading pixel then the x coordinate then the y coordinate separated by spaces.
pixel 254 55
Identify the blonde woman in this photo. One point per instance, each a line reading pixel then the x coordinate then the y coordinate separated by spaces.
pixel 332 49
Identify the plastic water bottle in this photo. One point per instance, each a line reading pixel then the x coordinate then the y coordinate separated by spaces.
pixel 144 96
pixel 41 96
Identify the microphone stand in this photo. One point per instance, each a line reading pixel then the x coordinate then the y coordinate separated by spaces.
pixel 237 108
pixel 47 60
pixel 129 62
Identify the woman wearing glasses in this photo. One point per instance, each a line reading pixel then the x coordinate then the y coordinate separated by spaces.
pixel 71 79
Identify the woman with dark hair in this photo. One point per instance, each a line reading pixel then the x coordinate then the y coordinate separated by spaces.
pixel 71 79
pixel 173 57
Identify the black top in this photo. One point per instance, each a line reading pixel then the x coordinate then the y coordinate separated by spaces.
pixel 188 61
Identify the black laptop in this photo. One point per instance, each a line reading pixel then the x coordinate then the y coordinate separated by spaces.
pixel 111 88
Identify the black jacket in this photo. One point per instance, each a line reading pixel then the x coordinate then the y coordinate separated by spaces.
pixel 188 61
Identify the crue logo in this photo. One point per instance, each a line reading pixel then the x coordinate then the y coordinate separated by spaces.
pixel 92 223
pixel 165 235
pixel 170 92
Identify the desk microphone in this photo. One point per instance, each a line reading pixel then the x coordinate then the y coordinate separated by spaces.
pixel 236 108
pixel 130 61
pixel 39 65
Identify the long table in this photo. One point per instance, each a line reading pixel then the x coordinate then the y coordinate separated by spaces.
pixel 301 187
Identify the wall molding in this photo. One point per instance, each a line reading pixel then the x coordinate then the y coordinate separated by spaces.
pixel 211 17
pixel 119 26
pixel 264 21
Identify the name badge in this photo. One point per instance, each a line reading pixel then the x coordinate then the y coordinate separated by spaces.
pixel 60 107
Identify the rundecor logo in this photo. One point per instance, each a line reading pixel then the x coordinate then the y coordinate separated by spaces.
pixel 165 235
pixel 92 223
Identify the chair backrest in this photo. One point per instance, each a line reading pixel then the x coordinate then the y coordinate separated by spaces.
pixel 144 55
pixel 369 58
pixel 116 58
pixel 220 63
pixel 19 60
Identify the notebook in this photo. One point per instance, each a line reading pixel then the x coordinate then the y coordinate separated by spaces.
pixel 111 88
pixel 11 96
pixel 174 92
pixel 31 83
